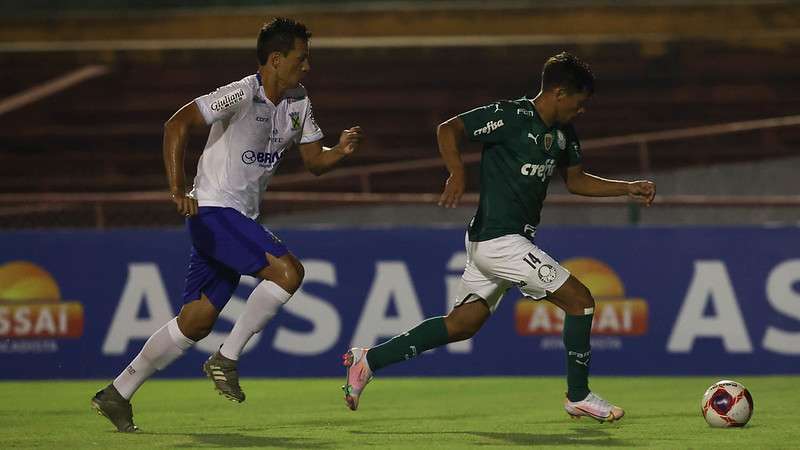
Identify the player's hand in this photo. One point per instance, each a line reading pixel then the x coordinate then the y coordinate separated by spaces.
pixel 186 206
pixel 453 190
pixel 349 140
pixel 642 191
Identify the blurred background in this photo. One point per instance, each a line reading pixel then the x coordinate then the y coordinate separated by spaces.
pixel 700 96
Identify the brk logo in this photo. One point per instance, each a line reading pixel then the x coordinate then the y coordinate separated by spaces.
pixel 249 157
pixel 264 159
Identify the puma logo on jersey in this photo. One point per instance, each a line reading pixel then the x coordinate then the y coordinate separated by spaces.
pixel 490 127
pixel 542 171
pixel 534 137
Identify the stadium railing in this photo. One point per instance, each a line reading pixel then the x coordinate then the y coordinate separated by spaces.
pixel 30 210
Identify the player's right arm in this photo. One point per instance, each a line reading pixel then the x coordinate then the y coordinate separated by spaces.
pixel 448 135
pixel 487 124
pixel 176 136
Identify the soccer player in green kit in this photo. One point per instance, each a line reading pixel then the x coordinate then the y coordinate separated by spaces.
pixel 524 142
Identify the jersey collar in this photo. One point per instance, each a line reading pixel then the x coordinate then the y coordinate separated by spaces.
pixel 261 94
pixel 537 117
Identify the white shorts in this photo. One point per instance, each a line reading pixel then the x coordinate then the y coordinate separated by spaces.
pixel 494 266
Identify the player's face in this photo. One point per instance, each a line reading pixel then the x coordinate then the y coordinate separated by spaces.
pixel 294 66
pixel 570 105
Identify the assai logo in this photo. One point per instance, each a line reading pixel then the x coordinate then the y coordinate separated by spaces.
pixel 264 159
pixel 491 126
pixel 31 307
pixel 614 315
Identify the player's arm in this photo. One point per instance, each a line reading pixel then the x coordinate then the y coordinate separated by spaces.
pixel 449 135
pixel 319 159
pixel 176 136
pixel 581 183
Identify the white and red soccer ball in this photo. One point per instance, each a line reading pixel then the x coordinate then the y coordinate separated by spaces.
pixel 727 404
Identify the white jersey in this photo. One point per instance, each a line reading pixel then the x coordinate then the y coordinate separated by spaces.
pixel 248 138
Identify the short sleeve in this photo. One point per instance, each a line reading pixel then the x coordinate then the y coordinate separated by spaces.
pixel 311 130
pixel 488 124
pixel 224 102
pixel 572 156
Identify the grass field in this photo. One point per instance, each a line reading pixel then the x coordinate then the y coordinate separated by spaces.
pixel 418 413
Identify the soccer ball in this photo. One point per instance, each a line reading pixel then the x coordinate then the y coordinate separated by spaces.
pixel 727 404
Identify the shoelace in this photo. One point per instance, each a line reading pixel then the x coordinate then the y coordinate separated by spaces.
pixel 598 402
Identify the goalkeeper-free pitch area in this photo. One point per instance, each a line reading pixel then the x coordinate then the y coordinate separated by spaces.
pixel 418 413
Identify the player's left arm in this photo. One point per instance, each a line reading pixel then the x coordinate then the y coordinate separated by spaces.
pixel 581 183
pixel 319 159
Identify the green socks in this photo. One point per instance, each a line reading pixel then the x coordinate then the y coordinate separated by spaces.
pixel 432 333
pixel 577 330
pixel 425 336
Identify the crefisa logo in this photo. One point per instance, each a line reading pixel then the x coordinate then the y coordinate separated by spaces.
pixel 615 315
pixel 32 314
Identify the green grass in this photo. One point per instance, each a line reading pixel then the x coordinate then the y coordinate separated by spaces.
pixel 418 413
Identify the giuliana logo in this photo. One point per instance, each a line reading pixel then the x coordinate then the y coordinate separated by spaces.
pixel 228 100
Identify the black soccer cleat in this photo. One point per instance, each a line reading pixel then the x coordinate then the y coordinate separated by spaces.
pixel 109 403
pixel 224 373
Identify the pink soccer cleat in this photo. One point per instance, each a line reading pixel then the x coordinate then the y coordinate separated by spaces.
pixel 595 407
pixel 358 375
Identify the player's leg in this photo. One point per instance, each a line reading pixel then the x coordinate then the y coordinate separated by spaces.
pixel 209 285
pixel 279 281
pixel 578 304
pixel 479 295
pixel 576 301
pixel 166 345
pixel 361 363
pixel 264 256
pixel 518 260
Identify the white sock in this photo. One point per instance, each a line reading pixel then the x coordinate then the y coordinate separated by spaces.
pixel 164 346
pixel 262 305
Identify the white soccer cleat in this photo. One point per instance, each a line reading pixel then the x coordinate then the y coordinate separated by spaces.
pixel 595 407
pixel 358 375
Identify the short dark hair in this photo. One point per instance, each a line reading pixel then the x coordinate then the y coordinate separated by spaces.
pixel 567 71
pixel 278 35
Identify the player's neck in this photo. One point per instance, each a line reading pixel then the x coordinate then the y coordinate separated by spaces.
pixel 274 92
pixel 272 88
pixel 546 109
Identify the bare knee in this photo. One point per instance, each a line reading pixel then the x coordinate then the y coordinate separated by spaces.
pixel 464 321
pixel 573 297
pixel 300 272
pixel 286 271
pixel 586 300
pixel 197 318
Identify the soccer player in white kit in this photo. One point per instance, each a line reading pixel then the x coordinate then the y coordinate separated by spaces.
pixel 254 121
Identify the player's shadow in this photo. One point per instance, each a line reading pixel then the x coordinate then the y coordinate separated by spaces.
pixel 227 440
pixel 584 437
pixel 349 419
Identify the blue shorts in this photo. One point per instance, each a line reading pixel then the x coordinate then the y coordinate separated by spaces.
pixel 225 245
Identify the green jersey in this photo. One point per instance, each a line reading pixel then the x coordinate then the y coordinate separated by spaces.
pixel 520 154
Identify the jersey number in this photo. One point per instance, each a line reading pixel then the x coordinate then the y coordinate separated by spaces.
pixel 532 260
